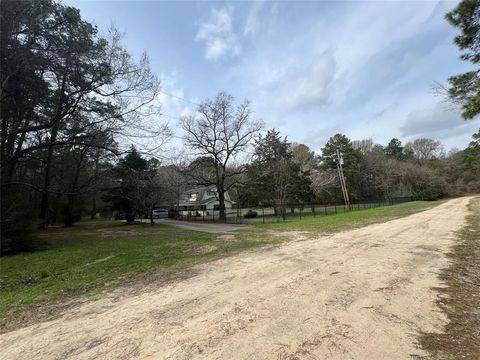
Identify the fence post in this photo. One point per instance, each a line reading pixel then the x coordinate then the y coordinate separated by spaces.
pixel 313 208
pixel 263 214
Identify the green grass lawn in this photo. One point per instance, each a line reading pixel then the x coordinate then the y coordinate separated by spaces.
pixel 352 219
pixel 94 256
pixel 267 214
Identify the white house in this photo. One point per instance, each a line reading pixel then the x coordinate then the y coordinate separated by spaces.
pixel 203 201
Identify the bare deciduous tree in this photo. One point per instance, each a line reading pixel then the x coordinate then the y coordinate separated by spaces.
pixel 424 149
pixel 322 179
pixel 365 146
pixel 220 131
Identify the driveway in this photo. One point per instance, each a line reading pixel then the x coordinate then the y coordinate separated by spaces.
pixel 360 294
pixel 214 228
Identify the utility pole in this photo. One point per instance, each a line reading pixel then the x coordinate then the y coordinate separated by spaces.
pixel 343 184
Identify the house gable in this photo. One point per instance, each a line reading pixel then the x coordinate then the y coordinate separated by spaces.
pixel 203 196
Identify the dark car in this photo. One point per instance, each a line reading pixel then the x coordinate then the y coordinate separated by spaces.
pixel 119 216
pixel 250 214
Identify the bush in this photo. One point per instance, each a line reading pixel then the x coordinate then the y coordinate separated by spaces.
pixel 424 183
pixel 17 229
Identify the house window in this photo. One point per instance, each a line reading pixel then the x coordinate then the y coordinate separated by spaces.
pixel 216 207
pixel 211 193
pixel 203 207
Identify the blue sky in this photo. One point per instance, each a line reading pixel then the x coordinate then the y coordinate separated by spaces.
pixel 311 69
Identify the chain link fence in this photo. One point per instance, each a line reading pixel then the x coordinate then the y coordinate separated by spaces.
pixel 270 213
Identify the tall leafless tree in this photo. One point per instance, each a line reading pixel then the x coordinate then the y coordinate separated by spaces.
pixel 220 131
pixel 424 149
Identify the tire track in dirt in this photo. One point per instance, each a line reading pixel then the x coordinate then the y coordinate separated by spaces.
pixel 359 294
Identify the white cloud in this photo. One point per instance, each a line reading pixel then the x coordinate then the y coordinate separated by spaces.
pixel 311 77
pixel 187 110
pixel 170 93
pixel 253 22
pixel 172 99
pixel 310 88
pixel 441 121
pixel 220 39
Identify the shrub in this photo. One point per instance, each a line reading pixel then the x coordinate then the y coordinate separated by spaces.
pixel 17 229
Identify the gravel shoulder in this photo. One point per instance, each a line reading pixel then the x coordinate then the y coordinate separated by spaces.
pixel 363 294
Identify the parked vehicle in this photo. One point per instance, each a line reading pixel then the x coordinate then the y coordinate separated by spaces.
pixel 119 216
pixel 250 214
pixel 160 213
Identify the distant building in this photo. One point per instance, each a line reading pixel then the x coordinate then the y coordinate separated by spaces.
pixel 203 201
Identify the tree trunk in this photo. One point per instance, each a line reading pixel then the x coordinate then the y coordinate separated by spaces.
pixel 94 199
pixel 71 198
pixel 53 138
pixel 221 204
pixel 46 184
pixel 93 213
pixel 68 216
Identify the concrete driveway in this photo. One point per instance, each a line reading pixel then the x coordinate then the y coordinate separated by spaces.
pixel 214 228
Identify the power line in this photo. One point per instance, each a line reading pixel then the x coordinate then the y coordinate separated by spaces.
pixel 179 98
pixel 171 117
pixel 197 104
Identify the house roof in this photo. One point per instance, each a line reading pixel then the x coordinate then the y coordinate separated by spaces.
pixel 202 196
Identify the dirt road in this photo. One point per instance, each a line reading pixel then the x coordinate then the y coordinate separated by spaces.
pixel 361 294
pixel 214 228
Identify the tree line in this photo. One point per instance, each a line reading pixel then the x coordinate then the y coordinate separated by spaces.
pixel 70 100
pixel 81 131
